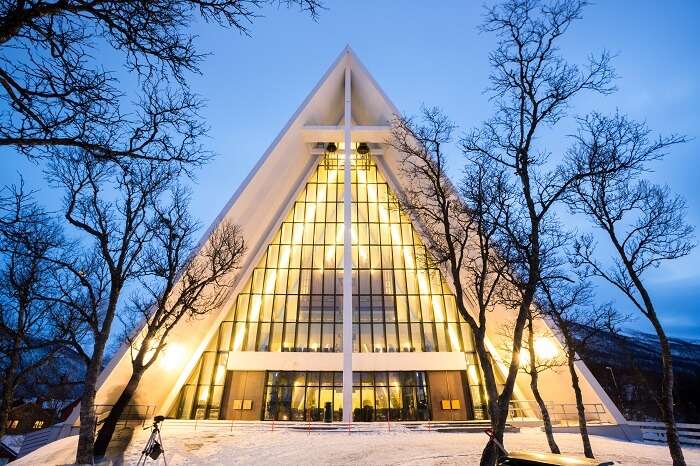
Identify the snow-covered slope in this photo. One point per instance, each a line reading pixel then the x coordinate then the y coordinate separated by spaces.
pixel 397 447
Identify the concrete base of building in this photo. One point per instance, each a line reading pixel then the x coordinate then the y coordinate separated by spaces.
pixel 617 431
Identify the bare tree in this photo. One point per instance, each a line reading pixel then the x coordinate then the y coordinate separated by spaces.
pixel 644 223
pixel 533 362
pixel 179 283
pixel 532 86
pixel 57 93
pixel 462 235
pixel 534 366
pixel 111 208
pixel 27 337
pixel 568 304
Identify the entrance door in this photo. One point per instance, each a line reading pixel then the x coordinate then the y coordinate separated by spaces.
pixel 449 400
pixel 243 396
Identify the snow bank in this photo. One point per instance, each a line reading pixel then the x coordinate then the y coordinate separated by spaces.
pixel 59 452
pixel 335 448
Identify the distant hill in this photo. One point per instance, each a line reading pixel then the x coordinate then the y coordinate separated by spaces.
pixel 634 360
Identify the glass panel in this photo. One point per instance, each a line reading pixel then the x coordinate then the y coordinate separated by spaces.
pixel 367 404
pixel 404 338
pixel 276 337
pixel 382 403
pixel 284 403
pixel 293 299
pixel 302 337
pixel 289 337
pixel 187 398
pixel 392 344
pixel 252 333
pixel 263 338
pixel 416 337
pixel 215 404
pixel 366 338
pixel 297 411
pixel 379 340
pixel 315 337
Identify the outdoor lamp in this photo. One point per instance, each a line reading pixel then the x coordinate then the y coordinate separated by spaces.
pixel 545 348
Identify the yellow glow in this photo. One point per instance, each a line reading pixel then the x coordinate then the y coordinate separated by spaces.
pixel 255 303
pixel 524 357
pixel 270 281
pixel 238 339
pixel 219 374
pixel 545 349
pixel 471 373
pixel 204 394
pixel 437 307
pixel 454 336
pixel 395 229
pixel 172 357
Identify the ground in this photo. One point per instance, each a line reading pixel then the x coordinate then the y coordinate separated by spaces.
pixel 396 447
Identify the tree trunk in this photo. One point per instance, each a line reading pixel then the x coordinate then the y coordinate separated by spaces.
pixel 110 423
pixel 490 453
pixel 587 449
pixel 546 419
pixel 88 421
pixel 666 405
pixel 534 378
pixel 86 438
pixel 8 388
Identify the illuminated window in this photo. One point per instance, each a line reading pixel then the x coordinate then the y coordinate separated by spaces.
pixel 38 424
pixel 390 396
pixel 400 301
pixel 13 424
pixel 292 301
pixel 302 396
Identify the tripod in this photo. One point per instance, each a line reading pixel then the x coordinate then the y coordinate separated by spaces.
pixel 154 445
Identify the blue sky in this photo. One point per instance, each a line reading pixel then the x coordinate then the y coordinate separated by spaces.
pixel 432 53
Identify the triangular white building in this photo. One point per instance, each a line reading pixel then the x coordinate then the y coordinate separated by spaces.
pixel 331 315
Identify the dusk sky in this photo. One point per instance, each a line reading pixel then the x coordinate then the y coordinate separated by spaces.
pixel 432 53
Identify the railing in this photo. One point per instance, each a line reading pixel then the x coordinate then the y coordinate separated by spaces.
pixel 39 438
pixel 133 415
pixel 205 425
pixel 563 414
pixel 688 434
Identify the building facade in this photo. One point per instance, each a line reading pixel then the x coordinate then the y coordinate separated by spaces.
pixel 291 305
pixel 338 312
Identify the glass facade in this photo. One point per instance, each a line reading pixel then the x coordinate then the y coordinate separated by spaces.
pixel 302 395
pixel 293 301
pixel 400 301
pixel 377 396
pixel 293 298
pixel 200 397
pixel 390 396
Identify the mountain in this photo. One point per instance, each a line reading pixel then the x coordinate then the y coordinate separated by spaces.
pixel 628 366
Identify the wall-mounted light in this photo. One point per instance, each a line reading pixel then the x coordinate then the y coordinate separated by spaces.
pixel 545 348
pixel 331 147
pixel 363 148
pixel 173 356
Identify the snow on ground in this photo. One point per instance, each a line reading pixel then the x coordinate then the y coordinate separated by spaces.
pixel 335 448
pixel 13 442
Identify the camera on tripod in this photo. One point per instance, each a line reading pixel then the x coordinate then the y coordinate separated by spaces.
pixel 154 446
